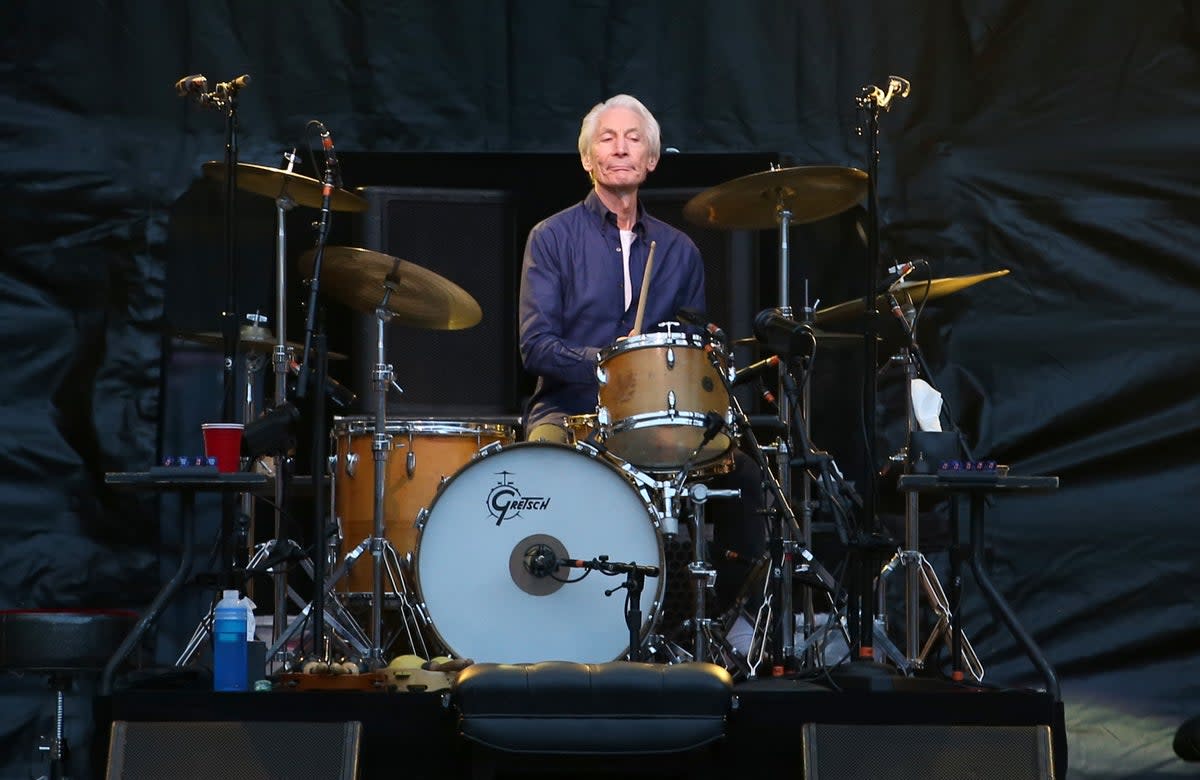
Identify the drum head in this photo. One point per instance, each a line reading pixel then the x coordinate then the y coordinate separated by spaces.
pixel 476 542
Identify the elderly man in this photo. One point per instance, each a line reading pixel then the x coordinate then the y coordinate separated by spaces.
pixel 580 284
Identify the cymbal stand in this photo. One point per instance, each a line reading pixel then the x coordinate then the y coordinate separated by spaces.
pixel 703 575
pixel 783 542
pixel 281 361
pixel 384 557
pixel 920 576
pixel 381 445
pixel 784 547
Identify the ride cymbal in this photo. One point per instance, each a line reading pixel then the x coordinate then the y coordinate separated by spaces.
pixel 810 193
pixel 275 183
pixel 419 297
pixel 919 291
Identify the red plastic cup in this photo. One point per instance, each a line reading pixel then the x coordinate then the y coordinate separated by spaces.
pixel 223 441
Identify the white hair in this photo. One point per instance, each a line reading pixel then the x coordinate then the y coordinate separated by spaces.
pixel 649 124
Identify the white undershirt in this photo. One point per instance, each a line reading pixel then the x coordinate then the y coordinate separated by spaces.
pixel 626 242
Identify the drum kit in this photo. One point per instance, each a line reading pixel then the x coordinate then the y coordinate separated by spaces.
pixel 471 534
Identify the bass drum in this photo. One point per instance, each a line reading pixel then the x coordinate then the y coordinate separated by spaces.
pixel 477 540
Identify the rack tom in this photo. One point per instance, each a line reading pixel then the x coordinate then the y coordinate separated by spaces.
pixel 656 393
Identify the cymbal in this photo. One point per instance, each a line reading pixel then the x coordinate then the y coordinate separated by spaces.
pixel 753 202
pixel 420 297
pixel 937 288
pixel 824 337
pixel 253 337
pixel 274 183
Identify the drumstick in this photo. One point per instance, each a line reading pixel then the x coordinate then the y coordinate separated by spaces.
pixel 641 309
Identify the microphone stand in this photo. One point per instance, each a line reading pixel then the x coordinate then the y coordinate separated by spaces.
pixel 316 381
pixel 233 557
pixel 872 102
pixel 635 581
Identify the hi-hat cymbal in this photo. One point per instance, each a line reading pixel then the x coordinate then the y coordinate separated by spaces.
pixel 253 337
pixel 753 202
pixel 419 297
pixel 918 291
pixel 275 183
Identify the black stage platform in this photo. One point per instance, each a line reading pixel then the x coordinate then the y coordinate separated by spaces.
pixel 414 735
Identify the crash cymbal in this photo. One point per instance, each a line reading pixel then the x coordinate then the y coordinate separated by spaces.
pixel 420 297
pixel 273 183
pixel 919 291
pixel 250 336
pixel 753 202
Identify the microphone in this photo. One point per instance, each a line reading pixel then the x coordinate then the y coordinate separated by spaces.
pixel 228 88
pixel 331 160
pixel 195 84
pixel 341 396
pixel 743 375
pixel 783 335
pixel 906 312
pixel 896 275
pixel 700 320
pixel 540 560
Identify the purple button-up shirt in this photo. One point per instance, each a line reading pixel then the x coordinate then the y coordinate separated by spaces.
pixel 573 298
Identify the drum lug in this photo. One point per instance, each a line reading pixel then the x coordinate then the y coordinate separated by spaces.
pixel 410 463
pixel 671 403
pixel 490 449
pixel 602 418
pixel 670 358
pixel 422 516
pixel 351 463
pixel 601 375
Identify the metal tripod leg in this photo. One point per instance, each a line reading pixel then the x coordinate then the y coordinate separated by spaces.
pixel 204 628
pixel 916 564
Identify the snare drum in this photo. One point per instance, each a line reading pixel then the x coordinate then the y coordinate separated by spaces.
pixel 477 541
pixel 424 454
pixel 656 391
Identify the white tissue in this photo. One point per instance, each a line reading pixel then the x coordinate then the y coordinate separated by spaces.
pixel 927 405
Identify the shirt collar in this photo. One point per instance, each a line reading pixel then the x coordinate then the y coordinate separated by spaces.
pixel 593 204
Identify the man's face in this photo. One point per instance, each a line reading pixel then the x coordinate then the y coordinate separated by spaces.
pixel 618 157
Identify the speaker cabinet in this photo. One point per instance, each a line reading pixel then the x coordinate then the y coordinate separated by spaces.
pixel 931 752
pixel 469 237
pixel 258 750
pixel 731 262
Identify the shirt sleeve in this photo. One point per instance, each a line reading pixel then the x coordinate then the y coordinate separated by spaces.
pixel 544 351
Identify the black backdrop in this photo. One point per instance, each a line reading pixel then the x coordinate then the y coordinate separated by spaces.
pixel 1057 140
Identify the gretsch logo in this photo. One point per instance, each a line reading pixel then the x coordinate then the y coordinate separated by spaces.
pixel 505 501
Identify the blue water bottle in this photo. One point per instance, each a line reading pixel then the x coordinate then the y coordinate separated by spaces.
pixel 229 644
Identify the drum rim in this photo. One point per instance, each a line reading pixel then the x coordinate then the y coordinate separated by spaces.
pixel 658 597
pixel 659 339
pixel 344 424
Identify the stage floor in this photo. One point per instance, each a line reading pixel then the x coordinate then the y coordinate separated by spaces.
pixel 414 735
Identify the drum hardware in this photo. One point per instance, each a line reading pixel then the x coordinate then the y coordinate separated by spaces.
pixel 784 549
pixel 414 296
pixel 920 576
pixel 288 189
pixel 703 575
pixel 779 198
